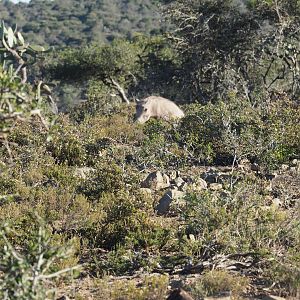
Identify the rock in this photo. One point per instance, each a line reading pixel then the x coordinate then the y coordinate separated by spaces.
pixel 295 166
pixel 179 294
pixel 200 184
pixel 197 186
pixel 83 172
pixel 174 175
pixel 156 181
pixel 165 202
pixel 284 167
pixel 211 176
pixel 179 182
pixel 215 186
pixel 295 162
pixel 276 202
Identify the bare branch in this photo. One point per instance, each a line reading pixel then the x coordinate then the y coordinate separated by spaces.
pixel 120 90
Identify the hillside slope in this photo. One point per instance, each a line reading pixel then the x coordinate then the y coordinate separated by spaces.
pixel 76 22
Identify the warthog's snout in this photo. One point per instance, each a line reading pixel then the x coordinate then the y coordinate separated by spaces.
pixel 142 114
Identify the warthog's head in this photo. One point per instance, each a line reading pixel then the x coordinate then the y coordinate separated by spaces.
pixel 143 112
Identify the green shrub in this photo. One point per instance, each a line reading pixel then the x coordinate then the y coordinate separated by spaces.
pixel 66 144
pixel 30 273
pixel 236 221
pixel 226 132
pixel 219 282
pixel 123 215
pixel 150 287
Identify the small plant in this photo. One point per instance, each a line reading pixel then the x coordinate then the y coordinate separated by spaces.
pixel 28 274
pixel 218 282
pixel 19 100
pixel 151 287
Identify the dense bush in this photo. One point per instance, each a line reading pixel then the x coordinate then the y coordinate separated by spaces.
pixel 224 133
pixel 30 273
pixel 108 73
pixel 247 47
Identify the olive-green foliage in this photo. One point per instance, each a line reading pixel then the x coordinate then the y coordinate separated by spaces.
pixel 83 178
pixel 235 221
pixel 152 287
pixel 8 86
pixel 155 148
pixel 127 221
pixel 101 99
pixel 140 66
pixel 285 271
pixel 159 65
pixel 73 22
pixel 18 100
pixel 99 61
pixel 218 282
pixel 241 221
pixel 66 144
pixel 26 273
pixel 248 47
pixel 45 178
pixel 224 133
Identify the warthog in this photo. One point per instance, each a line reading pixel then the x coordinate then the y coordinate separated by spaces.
pixel 157 107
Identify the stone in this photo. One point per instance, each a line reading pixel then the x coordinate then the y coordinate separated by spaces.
pixel 276 202
pixel 211 176
pixel 284 167
pixel 200 184
pixel 179 182
pixel 170 196
pixel 156 181
pixel 215 186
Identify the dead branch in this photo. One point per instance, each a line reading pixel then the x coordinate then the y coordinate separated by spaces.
pixel 119 89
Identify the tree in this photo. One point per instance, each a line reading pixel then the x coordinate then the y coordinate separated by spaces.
pixel 139 67
pixel 237 46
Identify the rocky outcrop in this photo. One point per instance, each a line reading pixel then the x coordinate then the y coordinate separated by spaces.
pixel 156 181
pixel 171 196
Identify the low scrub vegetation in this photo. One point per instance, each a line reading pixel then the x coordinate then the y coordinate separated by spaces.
pixel 84 180
pixel 95 205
